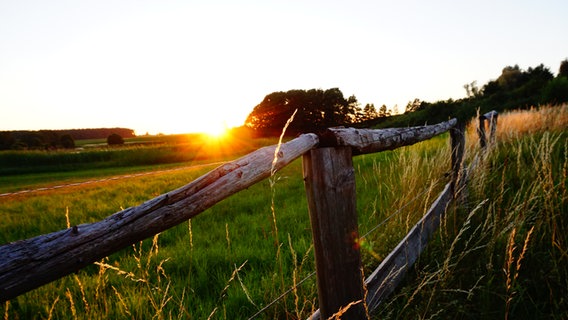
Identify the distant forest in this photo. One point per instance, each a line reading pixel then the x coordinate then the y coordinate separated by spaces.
pixel 317 109
pixel 52 139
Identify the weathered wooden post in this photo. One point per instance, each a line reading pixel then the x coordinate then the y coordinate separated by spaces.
pixel 481 132
pixel 457 141
pixel 491 117
pixel 329 179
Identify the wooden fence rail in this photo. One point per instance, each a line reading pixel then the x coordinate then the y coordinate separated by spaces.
pixel 384 280
pixel 28 264
pixel 328 170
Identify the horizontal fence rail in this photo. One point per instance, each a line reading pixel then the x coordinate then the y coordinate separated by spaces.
pixel 370 141
pixel 30 263
pixel 384 280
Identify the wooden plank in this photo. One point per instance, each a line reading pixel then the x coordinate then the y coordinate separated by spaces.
pixel 369 140
pixel 28 264
pixel 384 280
pixel 330 188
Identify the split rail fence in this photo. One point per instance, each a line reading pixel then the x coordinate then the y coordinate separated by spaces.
pixel 330 189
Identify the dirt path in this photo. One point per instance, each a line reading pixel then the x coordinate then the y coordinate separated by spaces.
pixel 112 178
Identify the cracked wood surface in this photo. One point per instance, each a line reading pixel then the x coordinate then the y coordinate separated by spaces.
pixel 375 140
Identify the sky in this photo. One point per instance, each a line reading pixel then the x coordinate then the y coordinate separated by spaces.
pixel 192 66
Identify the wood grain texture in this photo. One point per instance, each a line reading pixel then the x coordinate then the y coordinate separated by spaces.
pixel 329 179
pixel 375 140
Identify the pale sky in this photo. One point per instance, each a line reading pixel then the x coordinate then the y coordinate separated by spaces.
pixel 186 66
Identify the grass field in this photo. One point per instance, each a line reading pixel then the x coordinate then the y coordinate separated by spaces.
pixel 20 170
pixel 504 256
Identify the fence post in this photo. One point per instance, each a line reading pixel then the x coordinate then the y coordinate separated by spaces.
pixel 329 179
pixel 457 140
pixel 491 117
pixel 481 132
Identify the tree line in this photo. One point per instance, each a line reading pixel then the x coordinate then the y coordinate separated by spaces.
pixel 54 139
pixel 317 109
pixel 515 88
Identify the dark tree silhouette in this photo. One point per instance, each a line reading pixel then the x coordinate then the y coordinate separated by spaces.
pixel 509 78
pixel 316 109
pixel 369 112
pixel 114 139
pixel 556 91
pixel 563 71
pixel 383 111
pixel 6 140
pixel 412 106
pixel 67 141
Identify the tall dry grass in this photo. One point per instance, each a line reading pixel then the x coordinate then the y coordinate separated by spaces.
pixel 518 123
pixel 506 256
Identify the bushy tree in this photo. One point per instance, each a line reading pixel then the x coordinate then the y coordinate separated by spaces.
pixel 50 138
pixel 471 89
pixel 510 77
pixel 32 140
pixel 563 71
pixel 369 112
pixel 316 109
pixel 6 140
pixel 114 139
pixel 491 88
pixel 556 91
pixel 414 105
pixel 67 141
pixel 383 111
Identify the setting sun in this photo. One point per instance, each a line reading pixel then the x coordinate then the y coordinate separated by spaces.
pixel 212 121
pixel 216 130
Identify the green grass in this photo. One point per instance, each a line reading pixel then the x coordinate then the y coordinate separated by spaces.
pixel 241 254
pixel 20 170
pixel 143 151
pixel 14 183
pixel 238 230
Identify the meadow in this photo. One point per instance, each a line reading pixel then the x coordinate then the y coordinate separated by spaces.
pixel 24 169
pixel 500 255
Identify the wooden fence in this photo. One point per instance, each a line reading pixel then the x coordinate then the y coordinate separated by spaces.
pixel 490 117
pixel 330 189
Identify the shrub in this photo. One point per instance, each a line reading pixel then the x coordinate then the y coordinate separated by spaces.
pixel 115 139
pixel 556 91
pixel 67 141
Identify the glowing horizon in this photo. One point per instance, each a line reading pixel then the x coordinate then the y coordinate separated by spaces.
pixel 181 67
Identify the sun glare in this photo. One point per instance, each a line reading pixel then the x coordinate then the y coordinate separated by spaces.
pixel 217 130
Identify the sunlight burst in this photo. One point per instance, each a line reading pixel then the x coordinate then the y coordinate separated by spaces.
pixel 217 130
